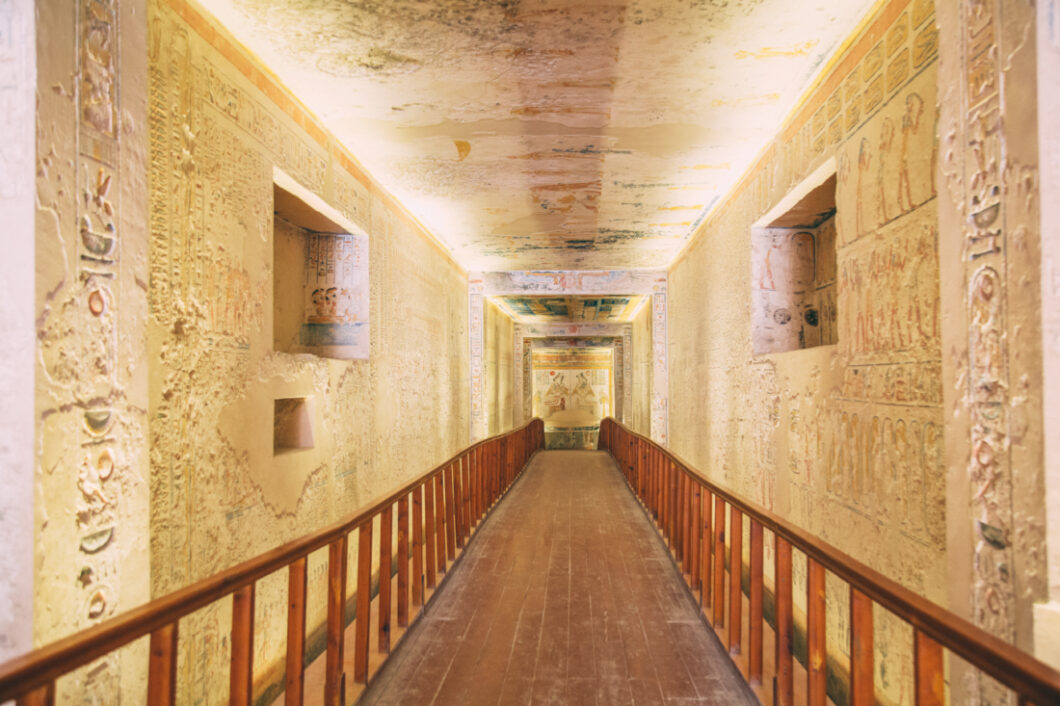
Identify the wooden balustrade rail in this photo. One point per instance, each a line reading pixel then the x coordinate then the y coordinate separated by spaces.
pixel 680 500
pixel 454 498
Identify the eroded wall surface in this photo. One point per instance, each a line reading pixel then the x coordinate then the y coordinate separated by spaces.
pixel 500 369
pixel 991 283
pixel 846 440
pixel 91 502
pixel 219 124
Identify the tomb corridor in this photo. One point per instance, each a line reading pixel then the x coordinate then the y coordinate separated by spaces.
pixel 530 351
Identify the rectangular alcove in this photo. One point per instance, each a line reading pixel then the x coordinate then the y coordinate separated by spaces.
pixel 320 276
pixel 292 425
pixel 793 269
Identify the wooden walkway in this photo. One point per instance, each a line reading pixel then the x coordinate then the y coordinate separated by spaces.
pixel 565 596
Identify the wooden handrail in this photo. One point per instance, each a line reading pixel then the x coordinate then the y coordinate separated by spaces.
pixel 641 459
pixel 488 467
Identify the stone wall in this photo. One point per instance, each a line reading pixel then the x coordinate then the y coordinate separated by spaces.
pixel 642 371
pixel 500 371
pixel 219 126
pixel 993 277
pixel 18 63
pixel 91 503
pixel 846 440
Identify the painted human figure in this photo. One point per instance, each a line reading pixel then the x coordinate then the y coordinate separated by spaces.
pixel 864 199
pixel 556 395
pixel 914 110
pixel 887 134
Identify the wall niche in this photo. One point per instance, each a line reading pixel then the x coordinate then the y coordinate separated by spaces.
pixel 320 277
pixel 793 269
pixel 292 426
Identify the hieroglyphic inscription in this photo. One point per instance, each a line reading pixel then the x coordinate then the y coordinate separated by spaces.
pixel 888 293
pixel 886 467
pixel 660 370
pixel 99 476
pixel 988 385
pixel 476 326
pixel 764 406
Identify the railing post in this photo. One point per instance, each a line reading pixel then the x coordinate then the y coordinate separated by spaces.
pixel 465 494
pixel 718 612
pixel 735 579
pixel 363 628
pixel 162 667
pixel 754 618
pixel 417 546
pixel 816 650
pixel 928 670
pixel 450 513
pixel 687 548
pixel 697 532
pixel 333 679
pixel 386 533
pixel 296 591
pixel 41 696
pixel 457 474
pixel 440 521
pixel 429 532
pixel 785 684
pixel 403 562
pixel 862 680
pixel 705 585
pixel 241 666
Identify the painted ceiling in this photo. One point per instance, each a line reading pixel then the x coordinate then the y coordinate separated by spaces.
pixel 590 134
pixel 609 309
pixel 560 358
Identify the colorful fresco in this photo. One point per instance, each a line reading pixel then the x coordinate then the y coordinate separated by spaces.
pixel 572 387
pixel 335 304
pixel 617 309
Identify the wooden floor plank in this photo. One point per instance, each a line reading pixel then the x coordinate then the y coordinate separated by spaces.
pixel 565 595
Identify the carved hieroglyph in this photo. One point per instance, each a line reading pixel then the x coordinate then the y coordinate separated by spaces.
pixel 844 439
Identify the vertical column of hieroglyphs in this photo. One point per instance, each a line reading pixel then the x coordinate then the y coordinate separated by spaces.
pixel 660 380
pixel 987 380
pixel 520 382
pixel 476 333
pixel 1001 236
pixel 90 558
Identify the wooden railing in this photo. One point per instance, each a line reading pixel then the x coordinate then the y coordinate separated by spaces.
pixel 446 504
pixel 690 512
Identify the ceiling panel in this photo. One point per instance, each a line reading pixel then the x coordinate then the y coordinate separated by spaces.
pixel 545 134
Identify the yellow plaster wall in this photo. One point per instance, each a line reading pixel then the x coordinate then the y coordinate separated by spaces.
pixel 219 124
pixel 91 500
pixel 642 370
pixel 846 440
pixel 499 342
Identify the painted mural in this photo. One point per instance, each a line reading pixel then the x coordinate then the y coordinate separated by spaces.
pixel 335 289
pixel 844 439
pixel 573 389
pixel 531 309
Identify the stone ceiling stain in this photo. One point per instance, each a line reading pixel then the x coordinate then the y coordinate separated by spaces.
pixel 542 134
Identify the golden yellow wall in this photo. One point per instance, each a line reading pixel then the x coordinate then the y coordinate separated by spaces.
pixel 499 340
pixel 219 125
pixel 642 369
pixel 846 440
